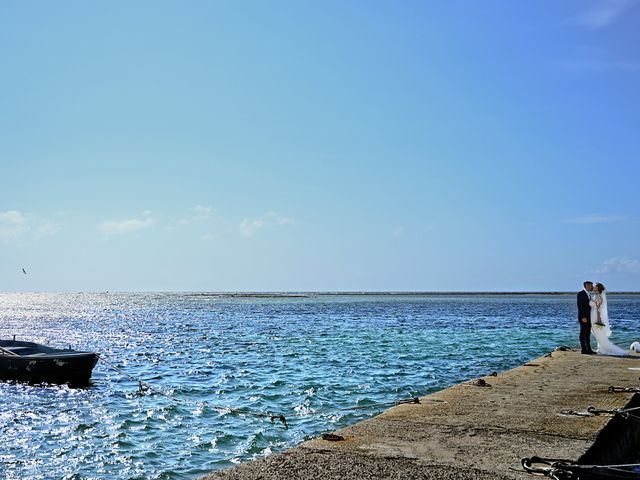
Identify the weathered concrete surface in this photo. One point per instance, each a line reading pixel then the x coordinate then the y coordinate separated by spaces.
pixel 467 431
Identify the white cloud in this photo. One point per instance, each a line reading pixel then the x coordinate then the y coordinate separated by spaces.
pixel 271 219
pixel 398 231
pixel 603 13
pixel 620 265
pixel 202 212
pixel 596 218
pixel 197 214
pixel 12 224
pixel 117 227
pixel 13 218
pixel 15 225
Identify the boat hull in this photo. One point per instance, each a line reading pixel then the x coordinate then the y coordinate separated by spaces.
pixel 35 363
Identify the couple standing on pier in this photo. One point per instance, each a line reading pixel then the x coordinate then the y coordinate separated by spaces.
pixel 594 318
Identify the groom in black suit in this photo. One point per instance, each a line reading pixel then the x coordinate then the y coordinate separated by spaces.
pixel 584 317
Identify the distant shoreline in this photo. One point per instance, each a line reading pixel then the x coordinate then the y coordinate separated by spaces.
pixel 377 294
pixel 323 294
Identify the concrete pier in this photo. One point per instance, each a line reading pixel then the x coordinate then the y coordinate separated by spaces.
pixel 478 429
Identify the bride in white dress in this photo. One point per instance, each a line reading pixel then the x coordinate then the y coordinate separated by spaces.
pixel 600 323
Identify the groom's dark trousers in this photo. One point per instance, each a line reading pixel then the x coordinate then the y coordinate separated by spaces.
pixel 584 311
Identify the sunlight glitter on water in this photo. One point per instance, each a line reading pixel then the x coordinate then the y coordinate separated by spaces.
pixel 305 357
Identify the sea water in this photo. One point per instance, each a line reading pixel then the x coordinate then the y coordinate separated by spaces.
pixel 310 358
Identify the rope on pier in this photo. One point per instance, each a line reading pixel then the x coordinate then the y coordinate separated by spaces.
pixel 144 387
pixel 575 413
pixel 614 411
pixel 569 470
pixel 613 389
pixel 625 413
pixel 549 469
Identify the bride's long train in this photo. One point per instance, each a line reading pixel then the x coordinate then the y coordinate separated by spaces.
pixel 602 330
pixel 606 346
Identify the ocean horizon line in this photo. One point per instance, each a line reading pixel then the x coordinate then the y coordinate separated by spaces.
pixel 311 293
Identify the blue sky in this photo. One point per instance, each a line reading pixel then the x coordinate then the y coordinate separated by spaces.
pixel 361 145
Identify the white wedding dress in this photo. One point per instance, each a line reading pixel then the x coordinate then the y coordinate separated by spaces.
pixel 601 329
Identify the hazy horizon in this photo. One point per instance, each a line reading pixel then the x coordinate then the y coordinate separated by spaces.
pixel 320 292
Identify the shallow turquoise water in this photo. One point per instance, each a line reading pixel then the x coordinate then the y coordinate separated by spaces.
pixel 306 358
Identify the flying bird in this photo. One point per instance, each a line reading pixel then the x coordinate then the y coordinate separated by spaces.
pixel 24 271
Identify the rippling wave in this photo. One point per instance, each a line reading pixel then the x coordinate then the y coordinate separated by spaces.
pixel 207 356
